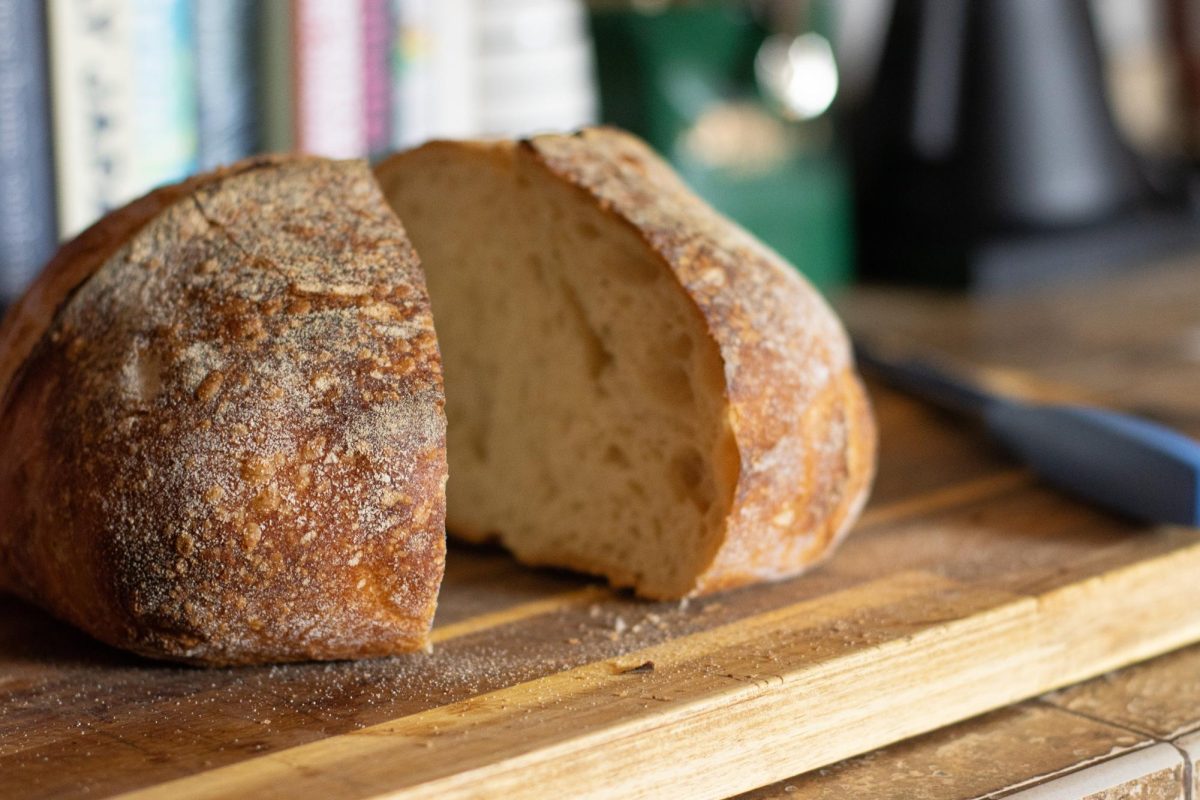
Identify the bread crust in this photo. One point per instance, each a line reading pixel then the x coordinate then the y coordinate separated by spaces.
pixel 221 414
pixel 800 419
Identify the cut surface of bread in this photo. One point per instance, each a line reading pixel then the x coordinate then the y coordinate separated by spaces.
pixel 222 422
pixel 635 387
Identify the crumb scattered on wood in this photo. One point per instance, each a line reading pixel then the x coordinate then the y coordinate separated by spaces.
pixel 645 666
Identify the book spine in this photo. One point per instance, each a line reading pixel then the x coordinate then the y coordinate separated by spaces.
pixel 277 87
pixel 434 70
pixel 164 81
pixel 227 33
pixel 27 227
pixel 376 77
pixel 411 78
pixel 454 69
pixel 531 83
pixel 92 106
pixel 124 102
pixel 328 56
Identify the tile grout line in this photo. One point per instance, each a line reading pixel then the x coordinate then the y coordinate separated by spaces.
pixel 1188 792
pixel 1167 738
pixel 1039 780
pixel 1077 769
pixel 1187 772
pixel 1123 726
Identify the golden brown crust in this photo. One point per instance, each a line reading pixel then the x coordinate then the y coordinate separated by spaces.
pixel 226 443
pixel 801 422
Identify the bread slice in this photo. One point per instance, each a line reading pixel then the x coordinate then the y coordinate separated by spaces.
pixel 221 415
pixel 636 388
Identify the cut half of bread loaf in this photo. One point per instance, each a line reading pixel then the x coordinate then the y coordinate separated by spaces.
pixel 222 426
pixel 636 387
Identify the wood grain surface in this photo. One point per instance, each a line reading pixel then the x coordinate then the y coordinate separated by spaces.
pixel 967 586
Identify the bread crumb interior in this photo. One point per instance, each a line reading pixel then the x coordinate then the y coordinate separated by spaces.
pixel 584 394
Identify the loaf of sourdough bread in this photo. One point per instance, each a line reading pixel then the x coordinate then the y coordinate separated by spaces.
pixel 636 388
pixel 221 408
pixel 222 427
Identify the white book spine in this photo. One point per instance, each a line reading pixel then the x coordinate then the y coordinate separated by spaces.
pixel 123 100
pixel 435 83
pixel 453 55
pixel 92 106
pixel 330 110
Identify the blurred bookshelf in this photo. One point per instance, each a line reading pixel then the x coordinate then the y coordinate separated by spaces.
pixel 102 100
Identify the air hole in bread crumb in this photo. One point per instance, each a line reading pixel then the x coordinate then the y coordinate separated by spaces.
pixel 682 346
pixel 597 357
pixel 479 444
pixel 688 479
pixel 613 454
pixel 671 384
pixel 539 268
pixel 636 269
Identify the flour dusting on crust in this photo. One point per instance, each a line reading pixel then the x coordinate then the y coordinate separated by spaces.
pixel 230 440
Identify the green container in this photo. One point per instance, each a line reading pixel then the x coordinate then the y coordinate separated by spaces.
pixel 682 77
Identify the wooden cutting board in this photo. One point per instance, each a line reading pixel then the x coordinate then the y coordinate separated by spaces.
pixel 966 586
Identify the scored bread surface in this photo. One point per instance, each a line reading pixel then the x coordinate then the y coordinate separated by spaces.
pixel 222 422
pixel 777 415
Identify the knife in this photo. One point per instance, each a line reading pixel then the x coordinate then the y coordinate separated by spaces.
pixel 1118 461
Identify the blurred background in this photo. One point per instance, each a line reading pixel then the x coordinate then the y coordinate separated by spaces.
pixel 973 144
